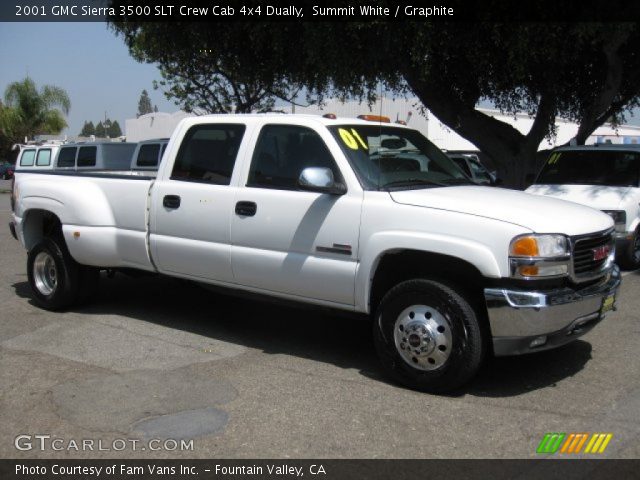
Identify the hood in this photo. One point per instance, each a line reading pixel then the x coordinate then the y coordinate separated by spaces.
pixel 595 196
pixel 539 214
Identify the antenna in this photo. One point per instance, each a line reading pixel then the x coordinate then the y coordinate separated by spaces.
pixel 380 138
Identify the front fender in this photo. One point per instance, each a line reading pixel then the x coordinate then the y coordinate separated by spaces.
pixel 379 244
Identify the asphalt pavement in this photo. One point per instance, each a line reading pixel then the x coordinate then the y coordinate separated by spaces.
pixel 159 358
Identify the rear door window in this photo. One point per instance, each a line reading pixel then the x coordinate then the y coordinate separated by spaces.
pixel 208 153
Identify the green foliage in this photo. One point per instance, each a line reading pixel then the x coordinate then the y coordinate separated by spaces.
pixel 114 130
pixel 586 72
pixel 101 132
pixel 199 81
pixel 144 104
pixel 104 129
pixel 31 111
pixel 88 129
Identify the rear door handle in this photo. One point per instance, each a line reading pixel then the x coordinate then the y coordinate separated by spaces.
pixel 171 201
pixel 246 209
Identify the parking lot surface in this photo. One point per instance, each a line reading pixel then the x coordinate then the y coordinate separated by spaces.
pixel 160 358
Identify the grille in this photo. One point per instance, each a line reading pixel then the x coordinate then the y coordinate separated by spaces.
pixel 584 265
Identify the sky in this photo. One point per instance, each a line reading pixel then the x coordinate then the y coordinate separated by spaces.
pixel 91 63
pixel 87 60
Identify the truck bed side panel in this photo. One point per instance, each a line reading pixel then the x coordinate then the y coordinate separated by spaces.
pixel 104 219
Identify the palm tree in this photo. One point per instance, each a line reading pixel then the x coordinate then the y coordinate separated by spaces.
pixel 36 111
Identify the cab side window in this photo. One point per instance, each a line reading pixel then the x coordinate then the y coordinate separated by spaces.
pixel 27 158
pixel 208 153
pixel 282 152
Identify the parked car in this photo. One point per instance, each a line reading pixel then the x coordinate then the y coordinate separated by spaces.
pixel 605 177
pixel 341 213
pixel 470 164
pixel 6 170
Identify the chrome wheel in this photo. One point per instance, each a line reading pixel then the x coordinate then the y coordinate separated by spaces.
pixel 422 337
pixel 45 273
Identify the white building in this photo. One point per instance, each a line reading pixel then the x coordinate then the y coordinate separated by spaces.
pixel 159 125
pixel 152 125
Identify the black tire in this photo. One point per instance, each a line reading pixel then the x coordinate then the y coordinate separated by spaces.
pixel 65 290
pixel 631 256
pixel 465 352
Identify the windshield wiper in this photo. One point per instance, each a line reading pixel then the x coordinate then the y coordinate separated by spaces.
pixel 459 181
pixel 409 182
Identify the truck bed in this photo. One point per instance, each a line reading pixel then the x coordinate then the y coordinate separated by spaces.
pixel 116 220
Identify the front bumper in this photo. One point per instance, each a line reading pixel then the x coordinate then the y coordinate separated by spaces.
pixel 547 318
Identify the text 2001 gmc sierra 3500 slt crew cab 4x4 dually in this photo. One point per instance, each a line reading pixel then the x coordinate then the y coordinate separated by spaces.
pixel 350 214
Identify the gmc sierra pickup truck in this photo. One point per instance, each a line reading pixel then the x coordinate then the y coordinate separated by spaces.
pixel 343 213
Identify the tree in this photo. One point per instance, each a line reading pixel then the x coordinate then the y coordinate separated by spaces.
pixel 200 82
pixel 88 129
pixel 144 104
pixel 586 72
pixel 101 132
pixel 30 111
pixel 114 130
pixel 8 136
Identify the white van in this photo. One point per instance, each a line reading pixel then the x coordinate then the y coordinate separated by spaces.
pixel 95 156
pixel 37 157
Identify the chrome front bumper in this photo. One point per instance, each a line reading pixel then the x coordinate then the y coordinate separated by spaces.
pixel 527 321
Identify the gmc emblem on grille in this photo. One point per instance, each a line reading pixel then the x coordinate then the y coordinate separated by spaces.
pixel 601 253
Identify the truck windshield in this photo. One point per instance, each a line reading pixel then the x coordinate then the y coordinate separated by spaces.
pixel 591 167
pixel 387 158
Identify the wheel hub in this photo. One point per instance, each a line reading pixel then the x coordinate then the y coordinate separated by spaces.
pixel 422 337
pixel 45 274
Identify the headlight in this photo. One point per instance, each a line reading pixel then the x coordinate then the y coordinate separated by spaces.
pixel 532 256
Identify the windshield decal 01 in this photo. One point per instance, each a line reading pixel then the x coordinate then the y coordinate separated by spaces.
pixel 352 139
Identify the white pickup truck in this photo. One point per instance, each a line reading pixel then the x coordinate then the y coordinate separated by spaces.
pixel 602 176
pixel 343 213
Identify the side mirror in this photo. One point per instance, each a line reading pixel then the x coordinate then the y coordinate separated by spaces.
pixel 319 179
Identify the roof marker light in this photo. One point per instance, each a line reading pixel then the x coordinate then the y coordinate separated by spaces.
pixel 375 118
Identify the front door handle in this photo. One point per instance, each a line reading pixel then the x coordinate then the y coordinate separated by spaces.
pixel 171 201
pixel 246 209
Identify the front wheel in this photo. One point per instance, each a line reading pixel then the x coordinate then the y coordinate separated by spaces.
pixel 427 336
pixel 54 276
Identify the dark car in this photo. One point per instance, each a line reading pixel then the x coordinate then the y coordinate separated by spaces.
pixel 6 170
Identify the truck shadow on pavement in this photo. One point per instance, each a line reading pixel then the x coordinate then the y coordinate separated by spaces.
pixel 320 335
